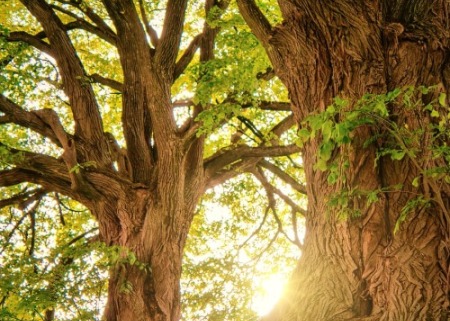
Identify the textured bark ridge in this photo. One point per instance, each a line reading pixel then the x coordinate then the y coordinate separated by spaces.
pixel 358 269
pixel 156 233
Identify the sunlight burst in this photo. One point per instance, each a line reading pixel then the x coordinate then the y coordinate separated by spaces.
pixel 270 291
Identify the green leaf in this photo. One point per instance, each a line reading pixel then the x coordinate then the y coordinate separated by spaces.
pixel 442 99
pixel 434 113
pixel 327 129
pixel 304 134
pixel 380 106
pixel 316 122
pixel 411 206
pixel 321 165
pixel 340 102
pixel 131 258
pixel 331 110
pixel 397 154
pixel 372 197
pixel 332 178
pixel 424 90
pixel 75 169
pixel 325 150
pixel 416 182
pixel 342 134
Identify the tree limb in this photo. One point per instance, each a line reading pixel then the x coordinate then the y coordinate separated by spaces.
pixel 22 199
pixel 103 28
pixel 88 124
pixel 216 175
pixel 270 191
pixel 274 105
pixel 169 42
pixel 229 156
pixel 257 230
pixel 90 13
pixel 256 20
pixel 283 175
pixel 206 44
pixel 143 114
pixel 65 11
pixel 33 40
pixel 259 174
pixel 51 173
pixel 233 170
pixel 17 115
pixel 114 84
pixel 187 56
pixel 263 105
pixel 285 198
pixel 83 24
pixel 150 31
pixel 190 128
pixel 16 176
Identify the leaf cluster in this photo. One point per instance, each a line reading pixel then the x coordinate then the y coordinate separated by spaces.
pixel 425 145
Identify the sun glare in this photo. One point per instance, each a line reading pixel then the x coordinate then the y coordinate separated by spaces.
pixel 269 293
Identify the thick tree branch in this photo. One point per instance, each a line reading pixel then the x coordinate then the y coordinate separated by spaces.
pixel 53 174
pixel 150 31
pixel 209 33
pixel 33 40
pixel 114 84
pixel 216 175
pixel 269 74
pixel 256 20
pixel 229 156
pixel 263 105
pixel 23 199
pixel 190 128
pixel 274 105
pixel 221 176
pixel 169 42
pixel 88 124
pixel 47 123
pixel 283 125
pixel 206 43
pixel 101 29
pixel 187 56
pixel 65 11
pixel 16 176
pixel 40 163
pixel 15 114
pixel 37 42
pixel 90 13
pixel 83 24
pixel 283 175
pixel 143 113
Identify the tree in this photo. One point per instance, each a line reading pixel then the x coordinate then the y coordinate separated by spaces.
pixel 378 152
pixel 68 69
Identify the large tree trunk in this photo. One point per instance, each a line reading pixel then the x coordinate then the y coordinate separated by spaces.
pixel 153 227
pixel 358 268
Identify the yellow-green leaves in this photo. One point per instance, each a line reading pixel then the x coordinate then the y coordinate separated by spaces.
pixel 442 99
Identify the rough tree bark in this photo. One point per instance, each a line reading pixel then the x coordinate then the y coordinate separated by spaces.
pixel 358 269
pixel 143 196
